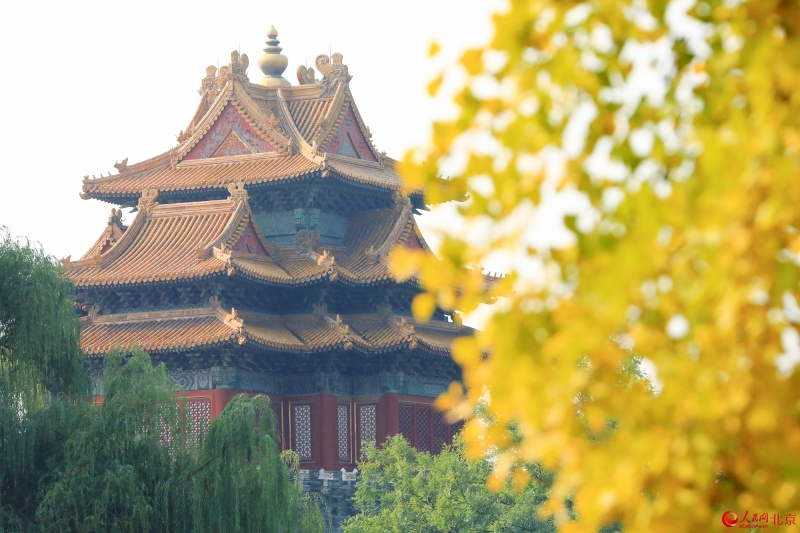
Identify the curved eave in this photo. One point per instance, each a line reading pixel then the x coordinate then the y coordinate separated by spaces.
pixel 244 272
pixel 232 341
pixel 220 187
pixel 153 280
pixel 159 349
pixel 324 277
pixel 315 333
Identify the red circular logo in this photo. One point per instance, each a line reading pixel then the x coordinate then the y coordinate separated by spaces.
pixel 729 518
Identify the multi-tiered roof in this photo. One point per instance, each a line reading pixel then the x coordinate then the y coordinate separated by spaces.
pixel 259 248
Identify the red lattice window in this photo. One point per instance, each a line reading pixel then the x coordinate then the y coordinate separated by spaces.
pixel 199 417
pixel 343 431
pixel 200 411
pixel 424 427
pixel 367 425
pixel 406 421
pixel 440 429
pixel 301 430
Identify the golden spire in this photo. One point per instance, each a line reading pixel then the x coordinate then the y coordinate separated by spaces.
pixel 273 63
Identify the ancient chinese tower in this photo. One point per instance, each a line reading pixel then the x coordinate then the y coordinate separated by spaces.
pixel 256 263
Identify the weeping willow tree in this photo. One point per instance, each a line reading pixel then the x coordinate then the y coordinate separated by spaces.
pixel 241 480
pixel 132 463
pixel 41 375
pixel 39 332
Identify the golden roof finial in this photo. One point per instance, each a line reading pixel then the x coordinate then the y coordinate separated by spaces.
pixel 273 63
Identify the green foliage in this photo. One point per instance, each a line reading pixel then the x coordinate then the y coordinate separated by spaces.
pixel 115 458
pixel 41 365
pixel 402 490
pixel 243 481
pixel 39 331
pixel 130 464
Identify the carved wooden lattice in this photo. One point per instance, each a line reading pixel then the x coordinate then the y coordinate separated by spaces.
pixel 301 433
pixel 343 426
pixel 367 425
pixel 422 429
pixel 200 411
pixel 440 431
pixel 406 420
pixel 425 428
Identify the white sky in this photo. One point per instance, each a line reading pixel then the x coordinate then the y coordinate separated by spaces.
pixel 87 83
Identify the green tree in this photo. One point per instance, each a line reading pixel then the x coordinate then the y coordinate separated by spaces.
pixel 402 490
pixel 130 464
pixel 41 373
pixel 40 354
pixel 677 124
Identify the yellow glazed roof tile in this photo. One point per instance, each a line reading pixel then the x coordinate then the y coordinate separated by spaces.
pixel 180 330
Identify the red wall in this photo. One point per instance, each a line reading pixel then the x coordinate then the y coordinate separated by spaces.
pixel 324 420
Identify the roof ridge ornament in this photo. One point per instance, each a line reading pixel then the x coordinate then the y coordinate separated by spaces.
pixel 92 312
pixel 116 217
pixel 148 200
pixel 333 71
pixel 409 330
pixel 233 321
pixel 207 83
pixel 273 63
pixel 306 76
pixel 122 167
pixel 238 192
pixel 184 136
pixel 326 260
pixel 235 70
pixel 344 329
pixel 239 64
pixel 211 86
pixel 400 200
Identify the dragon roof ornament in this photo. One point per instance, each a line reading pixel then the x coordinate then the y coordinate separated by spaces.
pixel 238 192
pixel 333 71
pixel 148 200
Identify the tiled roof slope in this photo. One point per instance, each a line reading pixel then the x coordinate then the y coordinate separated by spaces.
pixel 295 124
pixel 306 114
pixel 181 241
pixel 212 173
pixel 369 239
pixel 314 332
pixel 172 242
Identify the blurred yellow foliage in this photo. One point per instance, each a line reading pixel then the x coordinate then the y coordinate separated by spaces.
pixel 682 130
